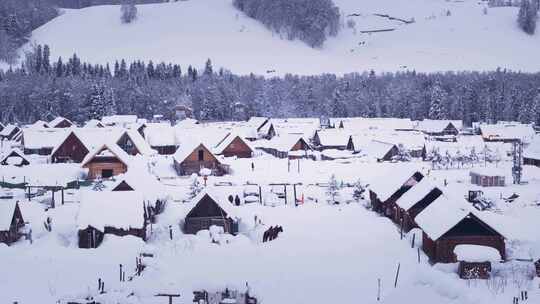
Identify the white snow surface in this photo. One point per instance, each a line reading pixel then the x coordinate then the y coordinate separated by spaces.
pixel 467 39
pixel 476 253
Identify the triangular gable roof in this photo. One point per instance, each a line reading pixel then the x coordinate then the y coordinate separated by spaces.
pixel 40 124
pixel 7 211
pixel 388 183
pixel 142 146
pixel 122 185
pixel 218 198
pixel 378 149
pixel 94 123
pixel 414 195
pixel 227 140
pixel 113 148
pixel 55 122
pixel 283 142
pixel 187 147
pixel 15 153
pixel 333 137
pixel 67 135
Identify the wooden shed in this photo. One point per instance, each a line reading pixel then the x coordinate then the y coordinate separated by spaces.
pixel 106 161
pixel 192 157
pixel 446 224
pixel 210 209
pixel 70 150
pixel 487 177
pixel 116 213
pixel 11 222
pixel 234 145
pixel 15 157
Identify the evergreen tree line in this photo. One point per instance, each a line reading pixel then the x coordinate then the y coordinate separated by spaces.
pixel 17 20
pixel 81 91
pixel 311 21
pixel 87 3
pixel 528 15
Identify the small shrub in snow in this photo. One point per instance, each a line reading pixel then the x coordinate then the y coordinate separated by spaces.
pixel 129 11
pixel 333 190
pixel 359 190
pixel 195 187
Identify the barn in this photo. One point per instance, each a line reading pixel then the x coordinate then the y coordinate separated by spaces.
pixel 11 222
pixel 234 145
pixel 487 177
pixel 211 208
pixel 106 161
pixel 192 156
pixel 385 190
pixel 412 202
pixel 15 158
pixel 60 122
pixel 447 223
pixel 117 213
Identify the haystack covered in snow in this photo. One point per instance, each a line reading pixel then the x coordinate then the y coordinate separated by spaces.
pixel 15 157
pixel 104 212
pixel 211 208
pixel 11 221
pixel 106 161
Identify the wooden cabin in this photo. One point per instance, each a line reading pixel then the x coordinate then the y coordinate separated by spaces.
pixel 234 145
pixel 210 210
pixel 126 143
pixel 70 150
pixel 60 122
pixel 11 222
pixel 15 157
pixel 116 213
pixel 439 127
pixel 105 162
pixel 449 226
pixel 487 177
pixel 286 146
pixel 384 191
pixel 191 158
pixel 335 139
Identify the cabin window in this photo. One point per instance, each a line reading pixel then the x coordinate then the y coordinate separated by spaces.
pixel 201 155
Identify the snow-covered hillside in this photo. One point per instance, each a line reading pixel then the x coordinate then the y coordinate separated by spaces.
pixel 189 32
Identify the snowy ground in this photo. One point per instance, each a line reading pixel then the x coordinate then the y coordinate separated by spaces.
pixel 189 32
pixel 327 254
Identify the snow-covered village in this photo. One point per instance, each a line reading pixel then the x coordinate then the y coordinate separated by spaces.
pixel 269 152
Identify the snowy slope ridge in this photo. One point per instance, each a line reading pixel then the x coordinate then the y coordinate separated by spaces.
pixel 189 32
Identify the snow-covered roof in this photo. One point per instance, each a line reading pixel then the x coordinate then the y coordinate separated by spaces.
pixel 7 130
pixel 488 171
pixel 93 123
pixel 442 215
pixel 220 196
pixel 159 135
pixel 256 121
pixel 387 183
pixel 508 131
pixel 44 138
pixel 378 149
pixel 144 182
pixel 282 142
pixel 39 124
pixel 13 160
pixel 435 126
pixel 186 148
pixel 142 146
pixel 533 150
pixel 7 209
pixel 55 122
pixel 416 193
pixel 477 253
pixel 333 137
pixel 119 119
pixel 338 154
pixel 225 142
pixel 356 124
pixel 119 209
pixel 107 150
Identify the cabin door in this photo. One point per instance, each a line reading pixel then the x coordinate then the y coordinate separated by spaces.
pixel 106 173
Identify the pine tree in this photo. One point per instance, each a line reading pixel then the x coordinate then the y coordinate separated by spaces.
pixel 437 99
pixel 332 192
pixel 208 69
pixel 46 59
pixel 527 16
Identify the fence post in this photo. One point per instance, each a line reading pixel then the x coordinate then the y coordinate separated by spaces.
pixel 397 275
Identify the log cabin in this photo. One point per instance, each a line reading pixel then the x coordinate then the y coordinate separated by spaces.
pixel 15 157
pixel 385 190
pixel 210 209
pixel 233 145
pixel 191 157
pixel 70 150
pixel 447 223
pixel 117 213
pixel 106 161
pixel 11 222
